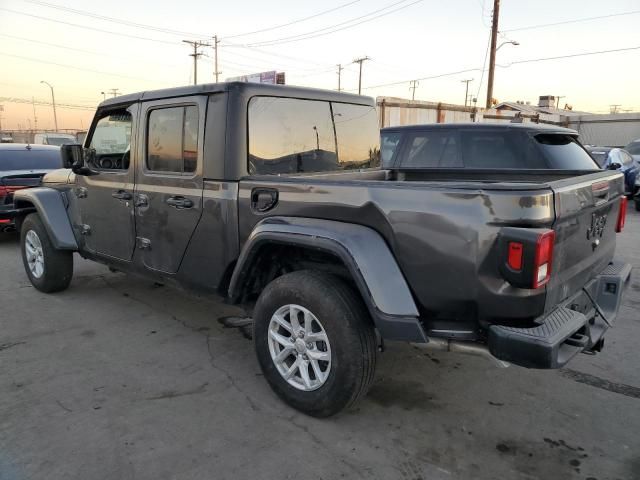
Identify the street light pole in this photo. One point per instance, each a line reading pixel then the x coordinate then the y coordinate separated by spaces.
pixel 53 101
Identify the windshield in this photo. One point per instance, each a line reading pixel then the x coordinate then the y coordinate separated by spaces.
pixel 564 152
pixel 59 141
pixel 633 148
pixel 30 159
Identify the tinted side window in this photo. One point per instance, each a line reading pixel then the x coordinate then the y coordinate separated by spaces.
pixel 633 148
pixel 564 152
pixel 627 159
pixel 288 135
pixel 358 135
pixel 172 140
pixel 388 145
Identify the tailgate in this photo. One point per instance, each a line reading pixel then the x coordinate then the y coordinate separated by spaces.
pixel 586 214
pixel 11 183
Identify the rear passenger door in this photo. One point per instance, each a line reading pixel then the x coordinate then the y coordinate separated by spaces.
pixel 168 192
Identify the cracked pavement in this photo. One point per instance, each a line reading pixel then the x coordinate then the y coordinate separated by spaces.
pixel 118 378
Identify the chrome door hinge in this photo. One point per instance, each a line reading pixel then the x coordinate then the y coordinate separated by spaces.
pixel 85 229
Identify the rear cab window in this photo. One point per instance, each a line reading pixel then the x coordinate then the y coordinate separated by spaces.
pixel 289 135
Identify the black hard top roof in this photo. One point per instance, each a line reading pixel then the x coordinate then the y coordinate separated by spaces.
pixel 242 88
pixel 534 127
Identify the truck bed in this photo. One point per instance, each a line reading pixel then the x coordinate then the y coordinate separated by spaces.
pixel 443 228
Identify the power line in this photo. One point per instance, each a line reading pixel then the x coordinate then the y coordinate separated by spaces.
pixel 344 5
pixel 532 60
pixel 65 47
pixel 112 19
pixel 578 20
pixel 43 102
pixel 572 55
pixel 332 29
pixel 86 27
pixel 37 60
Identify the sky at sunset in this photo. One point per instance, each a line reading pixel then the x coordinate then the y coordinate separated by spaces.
pixel 83 48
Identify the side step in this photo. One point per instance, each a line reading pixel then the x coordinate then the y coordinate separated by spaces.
pixel 550 345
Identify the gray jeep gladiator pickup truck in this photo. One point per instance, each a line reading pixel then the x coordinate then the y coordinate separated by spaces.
pixel 274 197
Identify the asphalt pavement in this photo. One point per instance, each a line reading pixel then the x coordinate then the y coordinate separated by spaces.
pixel 119 378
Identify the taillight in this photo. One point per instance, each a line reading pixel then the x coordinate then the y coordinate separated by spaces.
pixel 622 214
pixel 514 256
pixel 3 191
pixel 543 258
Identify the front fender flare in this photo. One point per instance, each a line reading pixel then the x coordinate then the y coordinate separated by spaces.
pixel 51 207
pixel 366 256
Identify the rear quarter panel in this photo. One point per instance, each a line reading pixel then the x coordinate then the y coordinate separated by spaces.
pixel 442 237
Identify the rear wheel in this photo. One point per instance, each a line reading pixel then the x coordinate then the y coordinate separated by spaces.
pixel 48 269
pixel 315 342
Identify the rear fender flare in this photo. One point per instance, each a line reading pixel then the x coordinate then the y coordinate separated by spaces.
pixel 365 254
pixel 51 207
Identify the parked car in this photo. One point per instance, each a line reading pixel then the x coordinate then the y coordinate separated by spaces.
pixel 23 166
pixel 54 139
pixel 617 159
pixel 281 207
pixel 634 149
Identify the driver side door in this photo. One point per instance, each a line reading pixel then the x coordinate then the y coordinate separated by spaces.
pixel 106 200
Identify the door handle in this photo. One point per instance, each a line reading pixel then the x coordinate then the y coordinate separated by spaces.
pixel 263 199
pixel 121 195
pixel 179 202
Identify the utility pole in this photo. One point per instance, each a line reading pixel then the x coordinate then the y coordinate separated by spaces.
pixel 114 92
pixel 492 57
pixel 1 110
pixel 35 119
pixel 614 108
pixel 215 56
pixel 340 68
pixel 53 101
pixel 466 90
pixel 413 85
pixel 196 45
pixel 360 60
pixel 558 100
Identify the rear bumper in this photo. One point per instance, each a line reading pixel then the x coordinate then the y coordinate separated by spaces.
pixel 574 326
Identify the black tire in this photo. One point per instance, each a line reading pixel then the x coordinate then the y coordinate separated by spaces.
pixel 637 203
pixel 58 264
pixel 349 329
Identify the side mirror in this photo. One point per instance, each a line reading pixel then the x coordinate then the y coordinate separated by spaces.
pixel 71 155
pixel 73 158
pixel 615 166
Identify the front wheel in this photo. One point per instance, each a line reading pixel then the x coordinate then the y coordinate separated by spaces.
pixel 48 269
pixel 315 342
